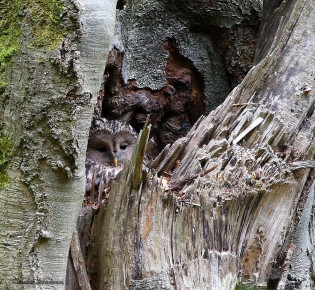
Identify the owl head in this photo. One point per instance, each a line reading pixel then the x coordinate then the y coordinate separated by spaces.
pixel 111 143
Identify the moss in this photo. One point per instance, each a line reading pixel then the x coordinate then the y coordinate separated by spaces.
pixel 47 31
pixel 46 22
pixel 5 154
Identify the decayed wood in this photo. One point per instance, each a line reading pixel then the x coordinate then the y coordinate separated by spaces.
pixel 180 184
pixel 235 221
pixel 167 158
pixel 302 164
pixel 78 262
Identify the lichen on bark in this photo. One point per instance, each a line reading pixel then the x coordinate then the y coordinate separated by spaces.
pixel 52 79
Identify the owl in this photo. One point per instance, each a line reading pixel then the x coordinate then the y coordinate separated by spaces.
pixel 110 144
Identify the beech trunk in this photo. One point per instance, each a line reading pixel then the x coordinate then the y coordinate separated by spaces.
pixel 46 113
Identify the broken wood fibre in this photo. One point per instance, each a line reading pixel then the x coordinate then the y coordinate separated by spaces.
pixel 235 222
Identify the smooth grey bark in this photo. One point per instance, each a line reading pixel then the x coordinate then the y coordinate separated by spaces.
pixel 237 221
pixel 47 116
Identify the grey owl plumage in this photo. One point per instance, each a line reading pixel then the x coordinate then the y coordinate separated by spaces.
pixel 110 144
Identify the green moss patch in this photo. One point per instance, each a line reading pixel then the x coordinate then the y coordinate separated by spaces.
pixel 46 22
pixel 47 31
pixel 5 154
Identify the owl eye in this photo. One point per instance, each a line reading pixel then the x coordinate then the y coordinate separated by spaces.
pixel 102 149
pixel 123 146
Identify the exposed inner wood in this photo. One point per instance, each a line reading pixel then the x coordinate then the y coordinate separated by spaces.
pixel 222 199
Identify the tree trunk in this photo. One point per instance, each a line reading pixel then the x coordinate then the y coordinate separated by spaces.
pixel 45 116
pixel 231 202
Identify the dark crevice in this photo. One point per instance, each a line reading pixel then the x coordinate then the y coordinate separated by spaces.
pixel 176 107
pixel 121 4
pixel 173 109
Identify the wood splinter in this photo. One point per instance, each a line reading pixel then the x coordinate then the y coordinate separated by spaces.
pixel 243 104
pixel 178 185
pixel 78 262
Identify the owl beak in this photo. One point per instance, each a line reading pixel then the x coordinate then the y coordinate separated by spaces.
pixel 115 161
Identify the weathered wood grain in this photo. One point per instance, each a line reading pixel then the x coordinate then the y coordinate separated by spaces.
pixel 235 222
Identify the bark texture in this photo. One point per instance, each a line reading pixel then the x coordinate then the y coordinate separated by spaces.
pixel 227 204
pixel 47 110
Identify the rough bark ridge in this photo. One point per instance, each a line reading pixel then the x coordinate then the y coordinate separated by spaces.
pixel 47 111
pixel 254 157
